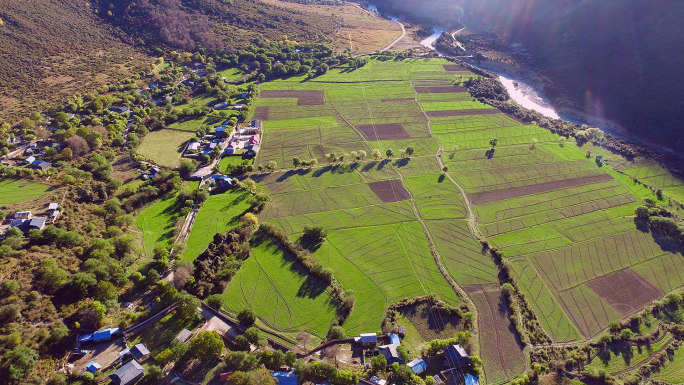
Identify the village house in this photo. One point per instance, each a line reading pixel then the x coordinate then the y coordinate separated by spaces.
pixel 367 339
pixel 456 356
pixel 391 354
pixel 127 374
pixel 184 335
pixel 36 223
pixel 23 215
pixel 471 380
pixel 194 146
pixel 43 166
pixel 140 352
pixel 285 378
pixel 418 366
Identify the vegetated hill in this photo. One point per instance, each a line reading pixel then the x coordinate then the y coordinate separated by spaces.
pixel 620 59
pixel 51 49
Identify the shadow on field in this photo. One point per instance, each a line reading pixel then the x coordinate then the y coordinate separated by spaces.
pixel 403 162
pixel 441 178
pixel 490 153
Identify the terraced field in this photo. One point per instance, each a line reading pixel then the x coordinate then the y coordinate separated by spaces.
pixel 565 222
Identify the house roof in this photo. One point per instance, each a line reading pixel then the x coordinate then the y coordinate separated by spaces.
pixel 471 380
pixel 417 365
pixel 184 335
pixel 193 146
pixel 93 366
pixel 22 214
pixel 37 222
pixel 285 378
pixel 139 351
pixel 456 354
pixel 369 338
pixel 30 159
pixel 256 123
pixel 103 334
pixel 127 374
pixel 394 339
pixel 378 380
pixel 53 206
pixel 44 165
pixel 16 222
pixel 390 352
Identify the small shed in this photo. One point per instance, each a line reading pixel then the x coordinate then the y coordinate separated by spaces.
pixel 53 206
pixel 193 146
pixel 44 166
pixel 30 159
pixel 456 355
pixel 256 124
pixel 471 380
pixel 54 215
pixel 285 378
pixel 377 380
pixel 418 365
pixel 394 339
pixel 93 366
pixel 368 339
pixel 127 374
pixel 140 352
pixel 184 335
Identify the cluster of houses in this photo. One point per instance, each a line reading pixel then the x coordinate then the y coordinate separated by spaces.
pixel 456 359
pixel 147 170
pixel 25 220
pixel 130 371
pixel 247 138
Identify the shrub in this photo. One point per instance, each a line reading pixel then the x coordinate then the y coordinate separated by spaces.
pixel 336 333
pixel 247 317
pixel 316 234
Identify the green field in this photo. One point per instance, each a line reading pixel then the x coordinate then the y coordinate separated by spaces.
pixel 220 213
pixel 673 369
pixel 623 357
pixel 188 124
pixel 158 222
pixel 281 291
pixel 563 219
pixel 165 147
pixel 17 190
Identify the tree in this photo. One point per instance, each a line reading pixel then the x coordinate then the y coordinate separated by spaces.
pixel 250 220
pixel 375 153
pixel 389 153
pixel 20 363
pixel 445 169
pixel 247 317
pixel 105 291
pixel 336 333
pixel 316 234
pixel 187 305
pixel 313 162
pixel 154 373
pixel 362 154
pixel 296 162
pixel 493 142
pixel 187 166
pixel 606 339
pixel 215 301
pixel 379 363
pixel 99 309
pixel 78 145
pixel 81 283
pixel 534 142
pixel 207 345
pixel 403 354
pixel 642 212
pixel 626 334
pixel 409 151
pixel 165 357
pixel 243 361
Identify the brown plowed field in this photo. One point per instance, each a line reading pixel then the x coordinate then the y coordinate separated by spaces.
pixel 261 113
pixel 440 90
pixel 397 100
pixel 625 291
pixel 383 132
pixel 293 94
pixel 310 102
pixel 483 111
pixel 510 193
pixel 500 348
pixel 389 190
pixel 454 67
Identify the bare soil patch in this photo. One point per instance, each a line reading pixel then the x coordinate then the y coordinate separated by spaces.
pixel 482 111
pixel 625 291
pixel 389 190
pixel 293 94
pixel 454 67
pixel 310 101
pixel 440 90
pixel 383 132
pixel 261 113
pixel 500 347
pixel 500 195
pixel 123 169
pixel 397 100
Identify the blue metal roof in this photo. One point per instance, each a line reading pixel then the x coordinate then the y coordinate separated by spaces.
pixel 471 380
pixel 85 337
pixel 285 378
pixel 103 334
pixel 93 366
pixel 394 339
pixel 417 365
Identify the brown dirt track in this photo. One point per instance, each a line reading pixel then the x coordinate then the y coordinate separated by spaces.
pixel 397 100
pixel 500 348
pixel 625 291
pixel 482 111
pixel 384 132
pixel 454 67
pixel 389 190
pixel 500 195
pixel 261 113
pixel 440 90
